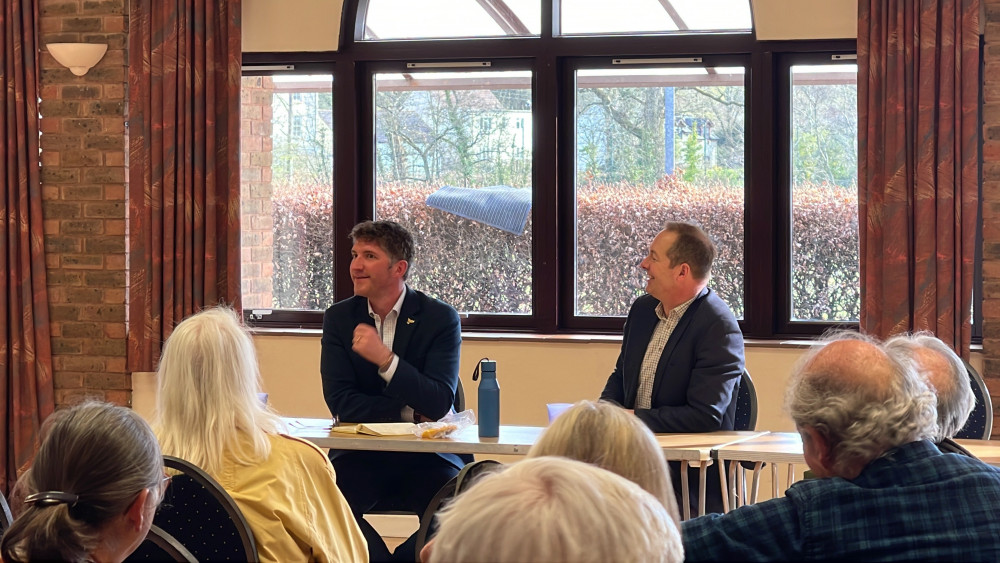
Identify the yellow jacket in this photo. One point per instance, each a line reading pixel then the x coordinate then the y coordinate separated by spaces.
pixel 293 505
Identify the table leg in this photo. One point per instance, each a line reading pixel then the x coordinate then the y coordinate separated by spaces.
pixel 756 482
pixel 791 474
pixel 732 479
pixel 702 478
pixel 685 491
pixel 774 480
pixel 724 487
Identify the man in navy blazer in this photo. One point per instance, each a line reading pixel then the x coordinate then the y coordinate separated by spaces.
pixel 390 354
pixel 682 351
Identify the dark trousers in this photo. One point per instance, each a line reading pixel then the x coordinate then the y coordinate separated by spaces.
pixel 380 481
pixel 713 490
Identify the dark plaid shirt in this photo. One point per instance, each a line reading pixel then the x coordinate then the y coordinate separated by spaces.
pixel 912 504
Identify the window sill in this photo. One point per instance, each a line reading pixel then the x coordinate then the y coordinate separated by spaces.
pixel 477 336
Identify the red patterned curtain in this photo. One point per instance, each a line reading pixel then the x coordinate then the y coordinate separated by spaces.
pixel 184 181
pixel 26 395
pixel 918 68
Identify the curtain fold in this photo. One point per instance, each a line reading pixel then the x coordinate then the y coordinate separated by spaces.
pixel 184 183
pixel 918 98
pixel 26 391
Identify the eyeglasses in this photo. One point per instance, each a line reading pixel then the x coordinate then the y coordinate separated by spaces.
pixel 164 483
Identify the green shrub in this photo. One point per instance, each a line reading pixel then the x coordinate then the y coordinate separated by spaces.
pixel 478 268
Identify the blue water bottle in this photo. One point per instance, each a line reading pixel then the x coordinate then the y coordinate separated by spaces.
pixel 489 400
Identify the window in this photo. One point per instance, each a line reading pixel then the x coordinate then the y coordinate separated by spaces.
pixel 429 19
pixel 453 165
pixel 825 274
pixel 580 17
pixel 286 147
pixel 534 148
pixel 654 145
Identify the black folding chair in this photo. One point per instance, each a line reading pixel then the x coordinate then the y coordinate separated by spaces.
pixel 979 426
pixel 161 546
pixel 461 482
pixel 201 516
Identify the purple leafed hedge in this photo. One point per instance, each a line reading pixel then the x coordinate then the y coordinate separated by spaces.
pixel 478 268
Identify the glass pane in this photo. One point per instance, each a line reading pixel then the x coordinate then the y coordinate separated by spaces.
pixel 286 150
pixel 825 244
pixel 453 164
pixel 580 17
pixel 656 145
pixel 429 19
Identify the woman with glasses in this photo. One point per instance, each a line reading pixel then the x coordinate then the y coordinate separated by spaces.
pixel 91 491
pixel 208 413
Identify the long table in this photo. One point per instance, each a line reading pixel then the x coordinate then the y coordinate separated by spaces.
pixel 691 450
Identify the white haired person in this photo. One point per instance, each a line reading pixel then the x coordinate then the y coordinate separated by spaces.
pixel 92 489
pixel 208 413
pixel 883 490
pixel 609 437
pixel 555 509
pixel 947 375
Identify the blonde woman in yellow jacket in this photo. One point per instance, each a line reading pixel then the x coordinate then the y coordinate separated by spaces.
pixel 208 413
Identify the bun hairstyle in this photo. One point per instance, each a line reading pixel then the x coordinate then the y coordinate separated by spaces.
pixel 95 458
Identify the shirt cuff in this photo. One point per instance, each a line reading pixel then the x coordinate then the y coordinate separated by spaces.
pixel 407 414
pixel 391 370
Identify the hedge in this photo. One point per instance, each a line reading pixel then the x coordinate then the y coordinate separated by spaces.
pixel 478 268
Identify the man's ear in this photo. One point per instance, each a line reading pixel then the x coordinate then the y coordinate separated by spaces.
pixel 136 512
pixel 684 271
pixel 822 451
pixel 400 267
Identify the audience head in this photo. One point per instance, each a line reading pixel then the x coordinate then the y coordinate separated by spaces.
pixel 207 402
pixel 607 436
pixel 92 489
pixel 390 236
pixel 555 509
pixel 946 374
pixel 852 400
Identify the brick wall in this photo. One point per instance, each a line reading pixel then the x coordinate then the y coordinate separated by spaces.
pixel 255 176
pixel 83 186
pixel 991 206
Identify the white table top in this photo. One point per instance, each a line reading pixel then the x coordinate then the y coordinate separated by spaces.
pixel 774 447
pixel 513 440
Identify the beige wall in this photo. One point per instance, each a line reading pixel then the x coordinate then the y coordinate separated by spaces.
pixel 531 374
pixel 291 25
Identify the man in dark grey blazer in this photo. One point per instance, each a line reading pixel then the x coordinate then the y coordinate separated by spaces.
pixel 390 354
pixel 682 351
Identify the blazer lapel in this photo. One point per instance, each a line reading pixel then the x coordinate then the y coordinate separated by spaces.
pixel 407 323
pixel 675 337
pixel 638 341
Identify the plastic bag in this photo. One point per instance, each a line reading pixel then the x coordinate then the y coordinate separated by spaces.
pixel 448 425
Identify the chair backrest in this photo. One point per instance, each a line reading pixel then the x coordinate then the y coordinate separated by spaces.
pixel 202 516
pixel 460 396
pixel 451 489
pixel 5 516
pixel 161 546
pixel 746 404
pixel 980 423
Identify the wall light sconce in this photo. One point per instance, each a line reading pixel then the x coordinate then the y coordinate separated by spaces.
pixel 77 57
